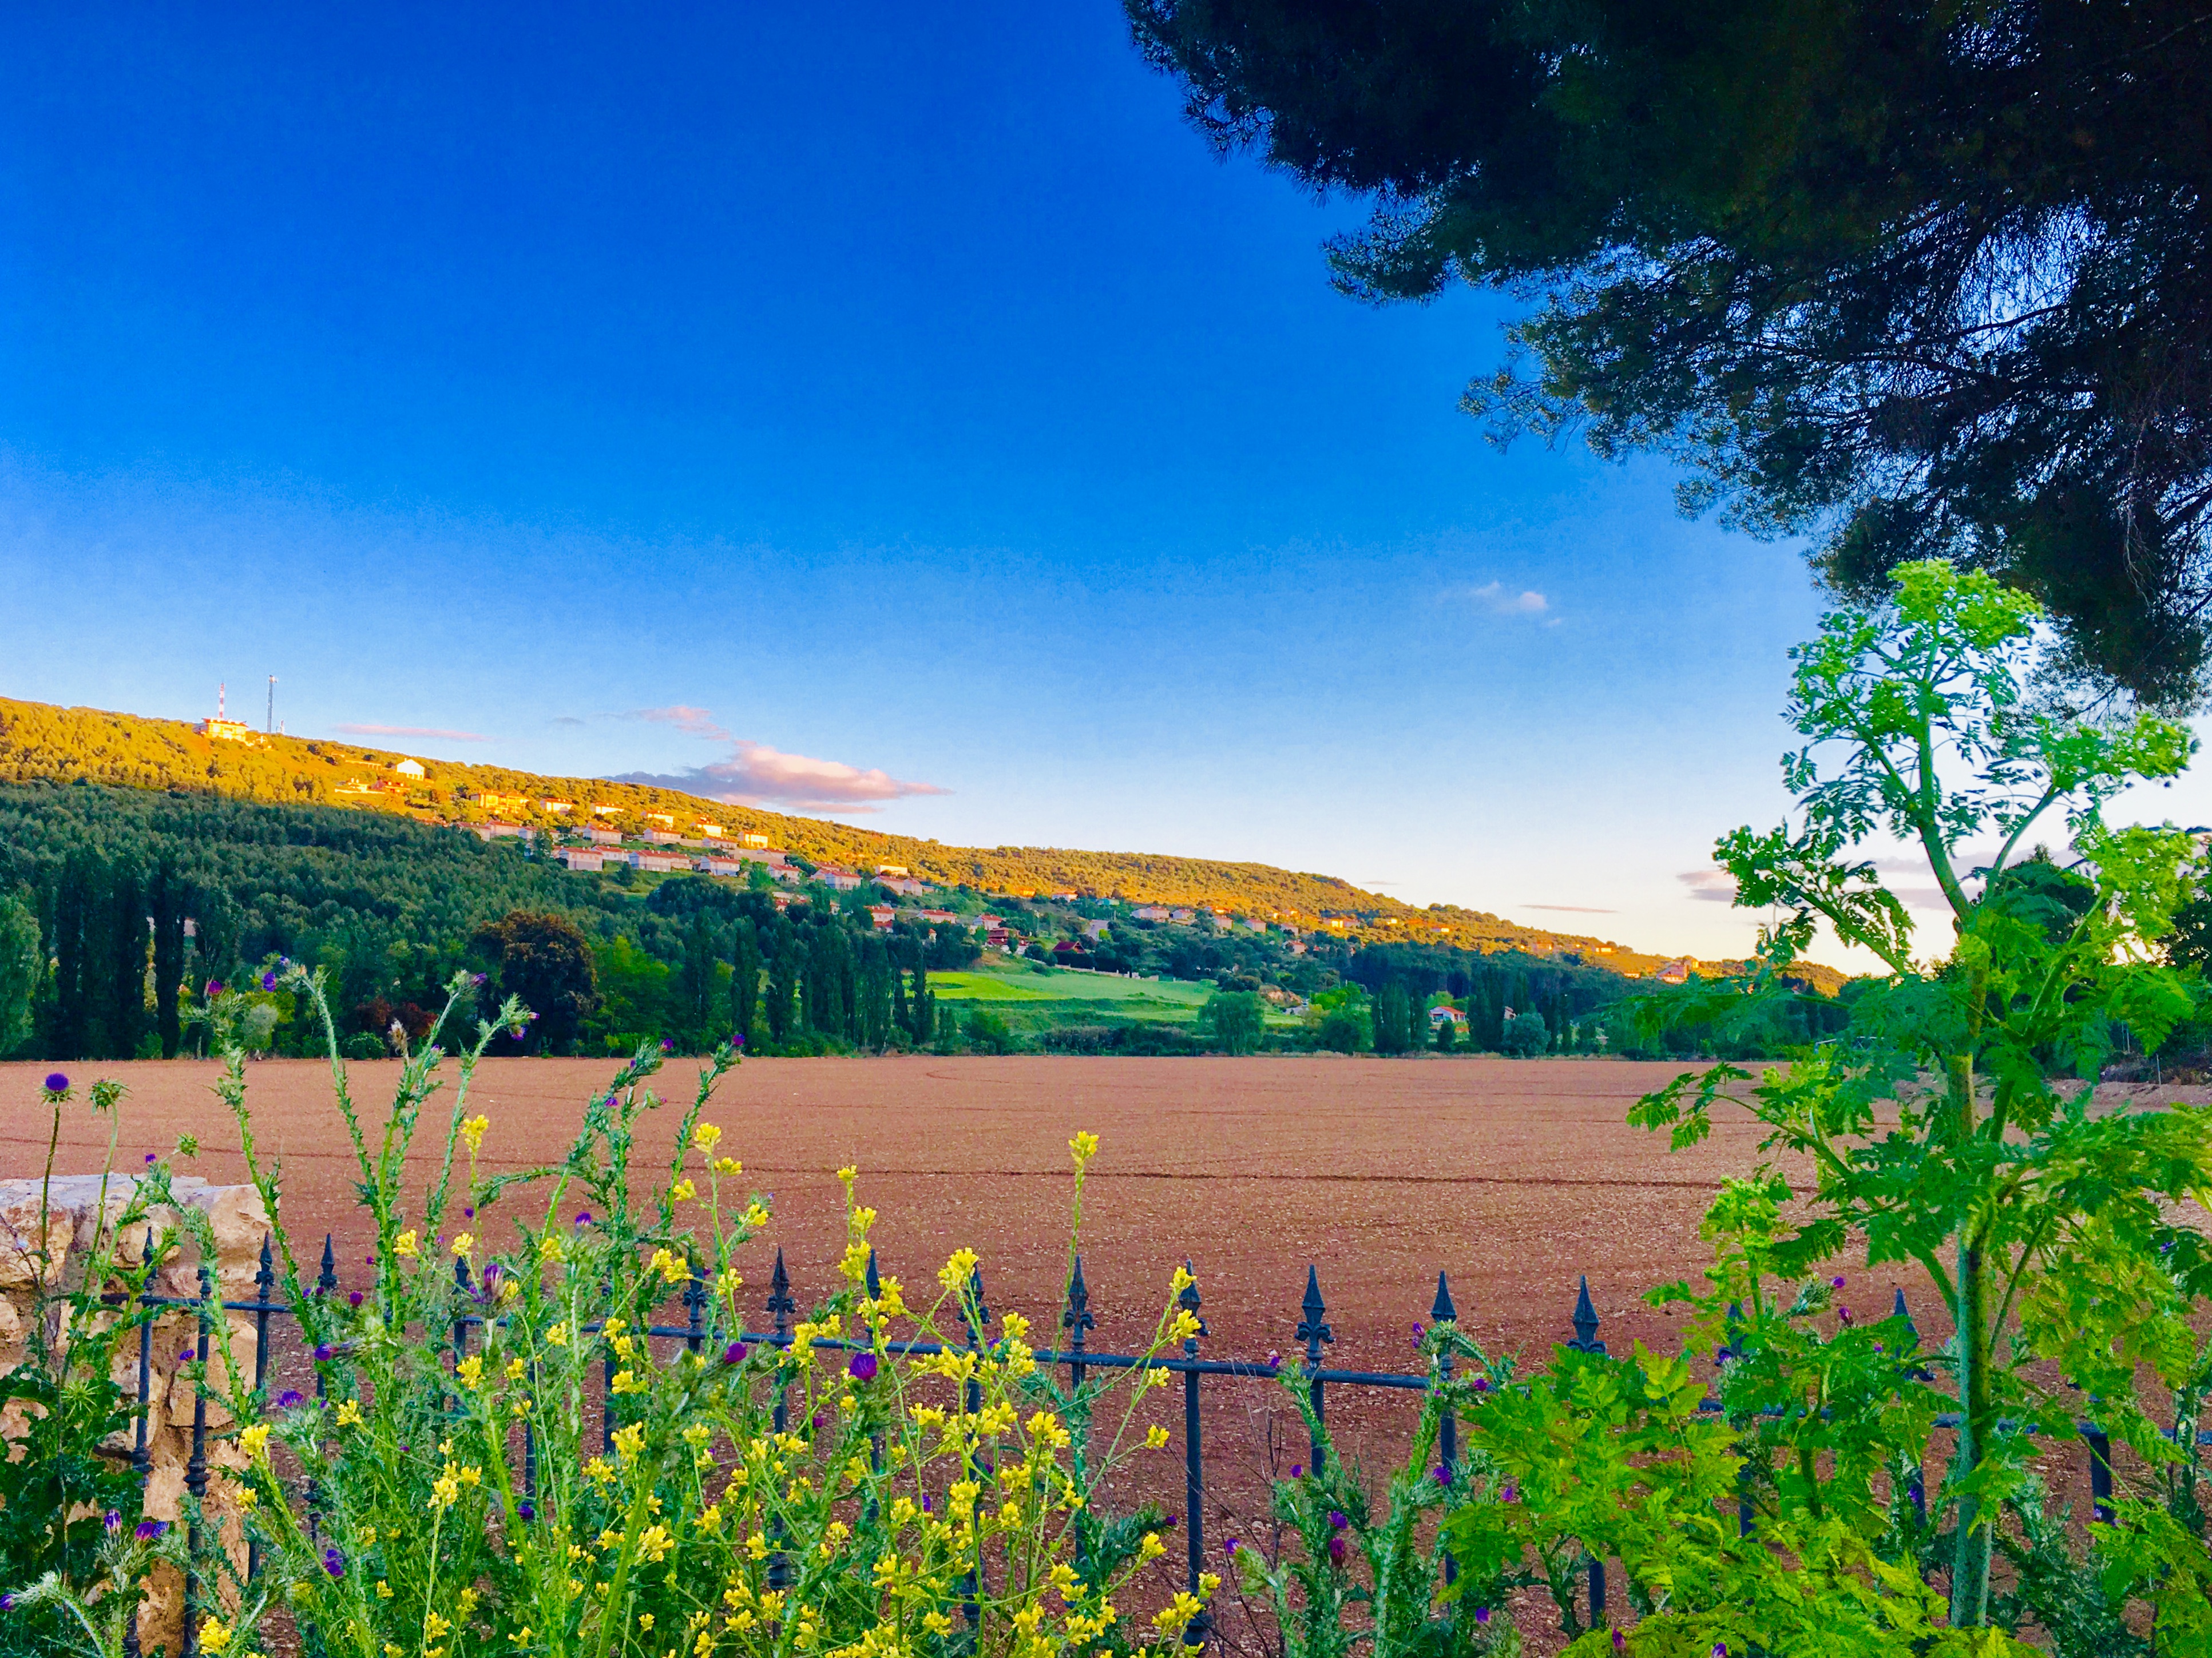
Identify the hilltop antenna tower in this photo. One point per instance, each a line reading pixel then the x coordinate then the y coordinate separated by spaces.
pixel 273 705
pixel 220 688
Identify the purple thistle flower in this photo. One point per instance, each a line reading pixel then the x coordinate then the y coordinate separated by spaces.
pixel 1482 1384
pixel 818 1421
pixel 1619 1642
pixel 333 1563
pixel 290 1399
pixel 737 1042
pixel 734 1353
pixel 926 1505
pixel 1837 1282
pixel 324 1351
pixel 1720 1649
pixel 7 1603
pixel 149 1156
pixel 150 1529
pixel 1444 1475
pixel 1843 1314
pixel 186 1355
pixel 56 1082
pixel 1418 1333
pixel 1275 1361
pixel 1509 1492
pixel 1336 1550
pixel 1297 1470
pixel 1336 1520
pixel 525 1509
pixel 470 1211
pixel 477 980
pixel 1482 1614
pixel 1877 1346
pixel 668 1044
pixel 862 1367
pixel 214 988
pixel 1229 1545
pixel 353 1298
pixel 583 1218
pixel 268 981
pixel 111 1520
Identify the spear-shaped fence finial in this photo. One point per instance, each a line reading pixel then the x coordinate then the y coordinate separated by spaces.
pixel 1585 1322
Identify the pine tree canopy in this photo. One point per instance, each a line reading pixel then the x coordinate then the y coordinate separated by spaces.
pixel 1913 279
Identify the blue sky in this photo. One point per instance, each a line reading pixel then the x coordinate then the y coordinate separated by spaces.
pixel 891 409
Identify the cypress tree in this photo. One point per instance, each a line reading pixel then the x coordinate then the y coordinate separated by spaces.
pixel 744 979
pixel 167 900
pixel 124 941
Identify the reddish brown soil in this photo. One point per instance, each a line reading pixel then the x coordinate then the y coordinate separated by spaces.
pixel 1515 1177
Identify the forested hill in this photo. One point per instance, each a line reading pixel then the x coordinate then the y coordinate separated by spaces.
pixel 39 741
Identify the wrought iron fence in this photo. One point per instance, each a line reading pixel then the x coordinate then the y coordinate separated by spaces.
pixel 1313 1332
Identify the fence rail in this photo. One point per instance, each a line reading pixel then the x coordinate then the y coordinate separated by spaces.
pixel 1313 1332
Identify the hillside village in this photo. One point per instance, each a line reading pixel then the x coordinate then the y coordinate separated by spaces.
pixel 601 826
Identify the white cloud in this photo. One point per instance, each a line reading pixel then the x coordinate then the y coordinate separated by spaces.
pixel 1711 886
pixel 757 774
pixel 1499 601
pixel 1574 909
pixel 692 722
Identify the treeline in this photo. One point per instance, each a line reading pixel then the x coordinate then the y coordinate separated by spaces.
pixel 117 907
pixel 42 743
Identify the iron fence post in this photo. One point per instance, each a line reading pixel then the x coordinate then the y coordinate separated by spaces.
pixel 975 1314
pixel 1193 1462
pixel 195 1475
pixel 1916 1483
pixel 1313 1330
pixel 2101 1473
pixel 780 1307
pixel 1441 1311
pixel 695 1308
pixel 326 1287
pixel 1077 1322
pixel 141 1461
pixel 1585 1340
pixel 265 1280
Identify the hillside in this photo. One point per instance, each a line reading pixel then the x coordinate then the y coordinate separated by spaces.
pixel 39 741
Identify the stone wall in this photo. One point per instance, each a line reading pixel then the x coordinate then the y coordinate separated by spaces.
pixel 74 1207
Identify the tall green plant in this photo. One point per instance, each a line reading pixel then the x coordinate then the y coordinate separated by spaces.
pixel 1940 1128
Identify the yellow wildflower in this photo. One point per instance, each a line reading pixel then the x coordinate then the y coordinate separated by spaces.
pixel 645 1620
pixel 464 1244
pixel 470 1370
pixel 729 1282
pixel 630 1441
pixel 472 1131
pixel 253 1440
pixel 756 1216
pixel 1180 1281
pixel 1084 1145
pixel 247 1497
pixel 214 1635
pixel 404 1244
pixel 957 1270
pixel 728 1166
pixel 435 1625
pixel 1156 1437
pixel 558 1335
pixel 682 1192
pixel 549 1247
pixel 671 1268
pixel 349 1414
pixel 520 1405
pixel 383 1589
pixel 705 1136
pixel 515 1367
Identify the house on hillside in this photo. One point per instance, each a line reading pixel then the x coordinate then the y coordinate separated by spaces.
pixel 232 731
pixel 660 862
pixel 409 768
pixel 496 803
pixel 713 864
pixel 890 869
pixel 757 841
pixel 556 806
pixel 1152 912
pixel 936 917
pixel 603 837
pixel 606 812
pixel 907 885
pixel 1094 929
pixel 583 858
pixel 661 837
pixel 497 831
pixel 1674 972
pixel 664 819
pixel 883 915
pixel 830 875
pixel 1185 916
